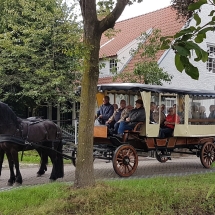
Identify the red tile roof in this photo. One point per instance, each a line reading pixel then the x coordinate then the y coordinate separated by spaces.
pixel 130 29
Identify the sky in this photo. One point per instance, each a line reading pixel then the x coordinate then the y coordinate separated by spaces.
pixel 137 9
pixel 144 7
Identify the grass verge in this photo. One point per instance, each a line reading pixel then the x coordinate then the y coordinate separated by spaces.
pixel 155 196
pixel 32 157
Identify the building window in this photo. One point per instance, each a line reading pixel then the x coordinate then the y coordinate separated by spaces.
pixel 113 65
pixel 211 58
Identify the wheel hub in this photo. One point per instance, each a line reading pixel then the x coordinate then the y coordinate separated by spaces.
pixel 126 160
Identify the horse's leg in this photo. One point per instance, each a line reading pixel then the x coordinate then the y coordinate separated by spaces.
pixel 1 160
pixel 12 178
pixel 57 161
pixel 43 163
pixel 53 172
pixel 18 180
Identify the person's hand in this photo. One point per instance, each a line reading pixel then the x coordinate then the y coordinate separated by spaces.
pixel 109 121
pixel 100 117
pixel 128 119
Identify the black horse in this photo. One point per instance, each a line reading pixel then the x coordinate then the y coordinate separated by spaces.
pixel 19 135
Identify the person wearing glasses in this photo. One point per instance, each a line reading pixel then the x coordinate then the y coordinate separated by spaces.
pixel 105 111
pixel 169 124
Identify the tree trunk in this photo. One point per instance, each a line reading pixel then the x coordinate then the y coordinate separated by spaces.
pixel 84 173
pixel 93 29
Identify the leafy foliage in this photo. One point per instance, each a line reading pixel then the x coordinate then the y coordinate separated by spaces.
pixel 40 52
pixel 181 6
pixel 187 40
pixel 147 70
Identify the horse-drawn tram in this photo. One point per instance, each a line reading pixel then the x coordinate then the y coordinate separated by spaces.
pixel 190 125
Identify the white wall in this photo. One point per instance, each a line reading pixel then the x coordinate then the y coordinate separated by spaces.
pixel 123 57
pixel 105 70
pixel 181 80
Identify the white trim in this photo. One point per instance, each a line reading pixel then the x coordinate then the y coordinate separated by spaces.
pixel 106 42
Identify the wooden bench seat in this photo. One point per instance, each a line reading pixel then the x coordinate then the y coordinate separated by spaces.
pixel 135 131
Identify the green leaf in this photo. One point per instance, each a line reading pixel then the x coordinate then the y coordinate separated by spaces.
pixel 205 30
pixel 182 50
pixel 197 18
pixel 178 63
pixel 197 5
pixel 191 29
pixel 204 56
pixel 192 71
pixel 199 38
pixel 186 37
pixel 164 46
pixel 200 53
pixel 164 38
pixel 212 12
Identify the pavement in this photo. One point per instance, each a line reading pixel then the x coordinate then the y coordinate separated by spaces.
pixel 147 167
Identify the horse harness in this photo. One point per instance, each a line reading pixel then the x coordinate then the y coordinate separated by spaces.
pixel 26 124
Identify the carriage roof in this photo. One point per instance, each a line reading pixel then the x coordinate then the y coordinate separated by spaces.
pixel 153 88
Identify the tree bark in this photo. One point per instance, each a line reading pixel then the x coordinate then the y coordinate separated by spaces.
pixel 93 29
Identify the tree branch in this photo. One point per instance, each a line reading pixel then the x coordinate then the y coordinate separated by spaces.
pixel 110 19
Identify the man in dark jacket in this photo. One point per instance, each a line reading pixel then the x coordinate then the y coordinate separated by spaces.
pixel 136 115
pixel 105 111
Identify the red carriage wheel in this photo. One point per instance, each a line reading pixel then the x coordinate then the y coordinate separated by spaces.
pixel 207 154
pixel 125 160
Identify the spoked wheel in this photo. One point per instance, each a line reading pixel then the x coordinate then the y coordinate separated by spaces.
pixel 159 157
pixel 207 154
pixel 125 160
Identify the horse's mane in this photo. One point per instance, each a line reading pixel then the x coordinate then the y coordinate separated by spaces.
pixel 7 116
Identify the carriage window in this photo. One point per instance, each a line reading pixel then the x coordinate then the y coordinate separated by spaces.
pixel 181 108
pixel 154 108
pixel 202 110
pixel 130 99
pixel 120 97
pixel 168 101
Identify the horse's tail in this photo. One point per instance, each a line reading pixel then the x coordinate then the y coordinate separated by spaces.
pixel 1 160
pixel 59 160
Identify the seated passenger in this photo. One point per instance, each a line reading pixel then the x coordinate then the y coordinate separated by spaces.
pixel 115 106
pixel 195 112
pixel 118 116
pixel 169 124
pixel 163 109
pixel 105 111
pixel 212 112
pixel 156 116
pixel 136 115
pixel 202 113
pixel 152 109
pixel 181 114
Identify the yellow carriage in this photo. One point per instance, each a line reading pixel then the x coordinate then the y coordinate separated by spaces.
pixel 193 134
